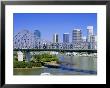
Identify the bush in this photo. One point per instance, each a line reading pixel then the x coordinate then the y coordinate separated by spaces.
pixel 37 61
pixel 36 64
pixel 44 58
pixel 15 58
pixel 19 64
pixel 29 65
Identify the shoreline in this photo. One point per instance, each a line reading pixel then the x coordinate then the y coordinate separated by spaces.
pixel 31 68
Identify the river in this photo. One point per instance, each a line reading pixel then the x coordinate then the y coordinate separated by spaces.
pixel 79 62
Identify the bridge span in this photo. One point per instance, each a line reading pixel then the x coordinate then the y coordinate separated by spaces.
pixel 59 50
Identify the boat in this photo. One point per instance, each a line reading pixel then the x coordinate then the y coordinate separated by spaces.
pixel 52 65
pixel 45 74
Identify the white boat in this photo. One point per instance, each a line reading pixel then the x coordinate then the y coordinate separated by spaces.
pixel 45 74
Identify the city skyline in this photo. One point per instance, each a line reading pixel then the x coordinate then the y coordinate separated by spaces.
pixel 50 23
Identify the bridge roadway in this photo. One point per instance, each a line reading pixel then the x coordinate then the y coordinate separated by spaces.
pixel 59 50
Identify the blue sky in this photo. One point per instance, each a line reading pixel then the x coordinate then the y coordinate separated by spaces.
pixel 50 23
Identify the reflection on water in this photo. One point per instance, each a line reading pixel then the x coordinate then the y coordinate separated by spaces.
pixel 85 63
pixel 77 62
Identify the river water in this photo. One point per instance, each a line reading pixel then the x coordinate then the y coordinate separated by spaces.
pixel 78 62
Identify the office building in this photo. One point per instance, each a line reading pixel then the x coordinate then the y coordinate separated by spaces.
pixel 37 34
pixel 92 43
pixel 76 35
pixel 89 33
pixel 92 38
pixel 66 38
pixel 55 38
pixel 95 38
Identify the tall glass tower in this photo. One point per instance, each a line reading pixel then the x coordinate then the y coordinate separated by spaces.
pixel 37 33
pixel 91 38
pixel 66 38
pixel 55 38
pixel 37 36
pixel 89 33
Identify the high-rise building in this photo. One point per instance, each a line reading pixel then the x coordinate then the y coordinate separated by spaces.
pixel 95 43
pixel 76 35
pixel 92 41
pixel 95 38
pixel 92 38
pixel 89 33
pixel 66 38
pixel 37 34
pixel 55 38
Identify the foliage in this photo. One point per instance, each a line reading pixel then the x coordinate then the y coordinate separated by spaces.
pixel 37 61
pixel 36 64
pixel 29 65
pixel 19 64
pixel 15 58
pixel 22 64
pixel 44 58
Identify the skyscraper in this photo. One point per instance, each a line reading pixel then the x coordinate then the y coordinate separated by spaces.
pixel 95 43
pixel 76 35
pixel 91 38
pixel 66 38
pixel 89 33
pixel 55 38
pixel 95 38
pixel 37 33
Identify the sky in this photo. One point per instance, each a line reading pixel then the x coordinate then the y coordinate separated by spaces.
pixel 51 23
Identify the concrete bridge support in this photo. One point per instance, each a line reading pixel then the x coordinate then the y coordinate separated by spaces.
pixel 20 56
pixel 28 56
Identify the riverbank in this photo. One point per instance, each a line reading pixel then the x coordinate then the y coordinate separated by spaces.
pixel 82 63
pixel 30 68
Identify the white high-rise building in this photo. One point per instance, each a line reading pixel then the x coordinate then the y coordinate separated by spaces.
pixel 55 38
pixel 89 33
pixel 91 38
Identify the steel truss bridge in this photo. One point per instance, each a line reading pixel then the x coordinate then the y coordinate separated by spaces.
pixel 58 50
pixel 27 41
